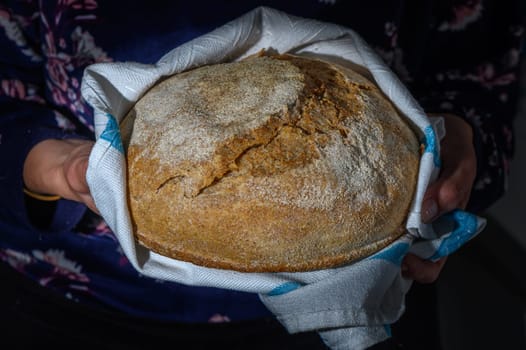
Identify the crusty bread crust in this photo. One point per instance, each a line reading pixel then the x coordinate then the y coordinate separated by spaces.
pixel 273 163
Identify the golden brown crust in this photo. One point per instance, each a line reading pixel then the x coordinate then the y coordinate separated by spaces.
pixel 269 164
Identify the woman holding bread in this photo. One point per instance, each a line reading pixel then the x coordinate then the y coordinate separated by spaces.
pixel 460 60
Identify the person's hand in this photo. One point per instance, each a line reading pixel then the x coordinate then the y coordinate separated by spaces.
pixel 58 167
pixel 451 190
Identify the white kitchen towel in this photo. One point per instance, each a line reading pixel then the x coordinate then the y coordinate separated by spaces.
pixel 350 306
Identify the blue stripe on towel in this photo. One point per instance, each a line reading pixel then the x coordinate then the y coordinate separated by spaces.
pixel 284 288
pixel 111 133
pixel 466 227
pixel 431 146
pixel 387 328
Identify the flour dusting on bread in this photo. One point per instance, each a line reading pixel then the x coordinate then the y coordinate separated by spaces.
pixel 272 163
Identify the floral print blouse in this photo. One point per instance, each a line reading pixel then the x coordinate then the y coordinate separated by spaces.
pixel 458 56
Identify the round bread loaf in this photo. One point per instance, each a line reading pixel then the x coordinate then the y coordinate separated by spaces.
pixel 272 163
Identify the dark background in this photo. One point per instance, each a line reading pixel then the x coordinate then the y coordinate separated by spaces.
pixel 482 289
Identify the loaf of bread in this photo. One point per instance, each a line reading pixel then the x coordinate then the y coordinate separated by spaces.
pixel 273 163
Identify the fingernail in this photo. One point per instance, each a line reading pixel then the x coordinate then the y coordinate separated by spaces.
pixel 429 210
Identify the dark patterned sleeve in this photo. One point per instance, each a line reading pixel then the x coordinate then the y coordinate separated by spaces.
pixel 26 115
pixel 470 67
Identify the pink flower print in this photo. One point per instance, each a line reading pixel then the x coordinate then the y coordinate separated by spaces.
pixel 123 260
pixel 85 49
pixel 218 318
pixel 58 97
pixel 391 31
pixel 57 73
pixel 90 4
pixel 14 89
pixel 484 74
pixel 4 14
pixel 16 259
pixel 58 82
pixel 463 15
pixel 102 227
pixel 486 71
pixel 63 122
pixel 18 90
pixel 487 76
pixel 72 95
pixel 513 57
pixel 14 33
pixel 62 267
pixel 79 4
pixel 99 228
pixel 49 40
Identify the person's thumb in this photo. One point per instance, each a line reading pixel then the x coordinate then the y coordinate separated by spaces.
pixel 76 175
